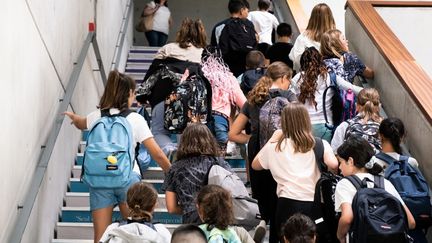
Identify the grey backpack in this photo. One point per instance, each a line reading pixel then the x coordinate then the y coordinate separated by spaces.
pixel 270 118
pixel 245 208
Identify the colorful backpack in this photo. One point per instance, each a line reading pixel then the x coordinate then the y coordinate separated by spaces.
pixel 368 131
pixel 109 154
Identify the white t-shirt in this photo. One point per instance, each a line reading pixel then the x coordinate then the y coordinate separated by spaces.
pixel 295 173
pixel 140 129
pixel 300 44
pixel 317 114
pixel 345 190
pixel 161 18
pixel 191 53
pixel 264 23
pixel 136 232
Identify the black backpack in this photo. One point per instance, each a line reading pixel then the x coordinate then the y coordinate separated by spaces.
pixel 412 187
pixel 250 78
pixel 378 215
pixel 324 211
pixel 239 36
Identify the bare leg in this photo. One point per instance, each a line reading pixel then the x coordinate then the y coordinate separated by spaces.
pixel 102 218
pixel 124 210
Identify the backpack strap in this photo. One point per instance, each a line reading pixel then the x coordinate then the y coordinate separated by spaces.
pixel 379 181
pixel 355 180
pixel 385 157
pixel 319 154
pixel 332 84
pixel 124 113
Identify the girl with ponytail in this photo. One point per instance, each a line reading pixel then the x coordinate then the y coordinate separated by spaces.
pixel 274 83
pixel 141 200
pixel 365 124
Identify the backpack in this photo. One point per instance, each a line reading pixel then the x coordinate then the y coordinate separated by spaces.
pixel 130 231
pixel 108 158
pixel 250 78
pixel 412 187
pixel 188 102
pixel 240 36
pixel 270 117
pixel 142 156
pixel 324 210
pixel 215 235
pixel 368 131
pixel 245 208
pixel 342 104
pixel 378 215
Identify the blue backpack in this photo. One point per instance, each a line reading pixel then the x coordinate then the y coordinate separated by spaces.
pixel 108 158
pixel 412 187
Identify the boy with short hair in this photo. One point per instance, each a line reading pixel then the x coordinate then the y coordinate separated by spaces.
pixel 281 49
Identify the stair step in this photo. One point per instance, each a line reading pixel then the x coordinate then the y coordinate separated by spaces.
pixel 81 199
pixel 77 186
pixel 137 65
pixel 138 77
pixel 77 231
pixel 83 215
pixel 136 70
pixel 72 240
pixel 141 55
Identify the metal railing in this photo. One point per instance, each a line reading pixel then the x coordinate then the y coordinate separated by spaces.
pixel 25 209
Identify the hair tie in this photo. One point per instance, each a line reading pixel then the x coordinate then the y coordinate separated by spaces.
pixel 369 165
pixel 137 206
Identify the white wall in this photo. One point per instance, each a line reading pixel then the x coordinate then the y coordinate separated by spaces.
pixel 41 39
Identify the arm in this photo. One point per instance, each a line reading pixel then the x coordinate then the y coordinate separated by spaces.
pixel 256 165
pixel 235 133
pixel 344 222
pixel 80 122
pixel 172 204
pixel 339 136
pixel 345 85
pixel 410 217
pixel 157 154
pixel 329 158
pixel 149 10
pixel 368 73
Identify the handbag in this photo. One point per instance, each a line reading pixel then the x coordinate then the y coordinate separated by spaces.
pixel 145 22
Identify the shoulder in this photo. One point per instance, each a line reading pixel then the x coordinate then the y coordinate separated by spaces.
pixel 163 231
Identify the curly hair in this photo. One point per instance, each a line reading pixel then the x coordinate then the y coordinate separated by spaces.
pixel 197 140
pixel 312 67
pixel 141 199
pixel 215 207
pixel 260 92
pixel 191 32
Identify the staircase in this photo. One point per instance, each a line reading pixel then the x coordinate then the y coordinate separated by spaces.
pixel 75 222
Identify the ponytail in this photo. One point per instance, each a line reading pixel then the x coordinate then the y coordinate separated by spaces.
pixel 393 130
pixel 369 101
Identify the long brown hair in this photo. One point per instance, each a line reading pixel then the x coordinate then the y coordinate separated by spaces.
pixel 261 90
pixel 369 101
pixel 215 207
pixel 197 140
pixel 191 32
pixel 331 45
pixel 320 21
pixel 141 199
pixel 117 91
pixel 296 125
pixel 312 66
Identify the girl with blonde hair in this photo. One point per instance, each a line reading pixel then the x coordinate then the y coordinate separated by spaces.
pixel 321 20
pixel 365 124
pixel 274 83
pixel 141 200
pixel 290 158
pixel 335 51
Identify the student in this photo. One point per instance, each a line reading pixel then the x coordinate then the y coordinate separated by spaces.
pixel 264 22
pixel 197 152
pixel 161 23
pixel 321 20
pixel 141 200
pixel 355 158
pixel 236 36
pixel 184 53
pixel 188 233
pixel 118 96
pixel 215 209
pixel 334 49
pixel 291 160
pixel 226 94
pixel 309 86
pixel 275 83
pixel 365 124
pixel 255 69
pixel 280 50
pixel 299 228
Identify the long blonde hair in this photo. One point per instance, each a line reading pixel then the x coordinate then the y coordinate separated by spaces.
pixel 261 90
pixel 331 46
pixel 296 125
pixel 320 21
pixel 369 101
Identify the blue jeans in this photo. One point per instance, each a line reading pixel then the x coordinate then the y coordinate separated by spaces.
pixel 161 135
pixel 321 131
pixel 156 38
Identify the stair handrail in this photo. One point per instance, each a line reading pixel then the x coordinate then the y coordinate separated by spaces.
pixel 25 208
pixel 121 36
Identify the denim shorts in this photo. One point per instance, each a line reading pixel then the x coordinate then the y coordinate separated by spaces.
pixel 221 128
pixel 321 131
pixel 103 198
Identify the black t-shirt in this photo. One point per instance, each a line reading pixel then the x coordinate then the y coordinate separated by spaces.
pixel 279 52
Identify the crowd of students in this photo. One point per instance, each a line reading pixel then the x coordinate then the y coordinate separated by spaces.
pixel 282 168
